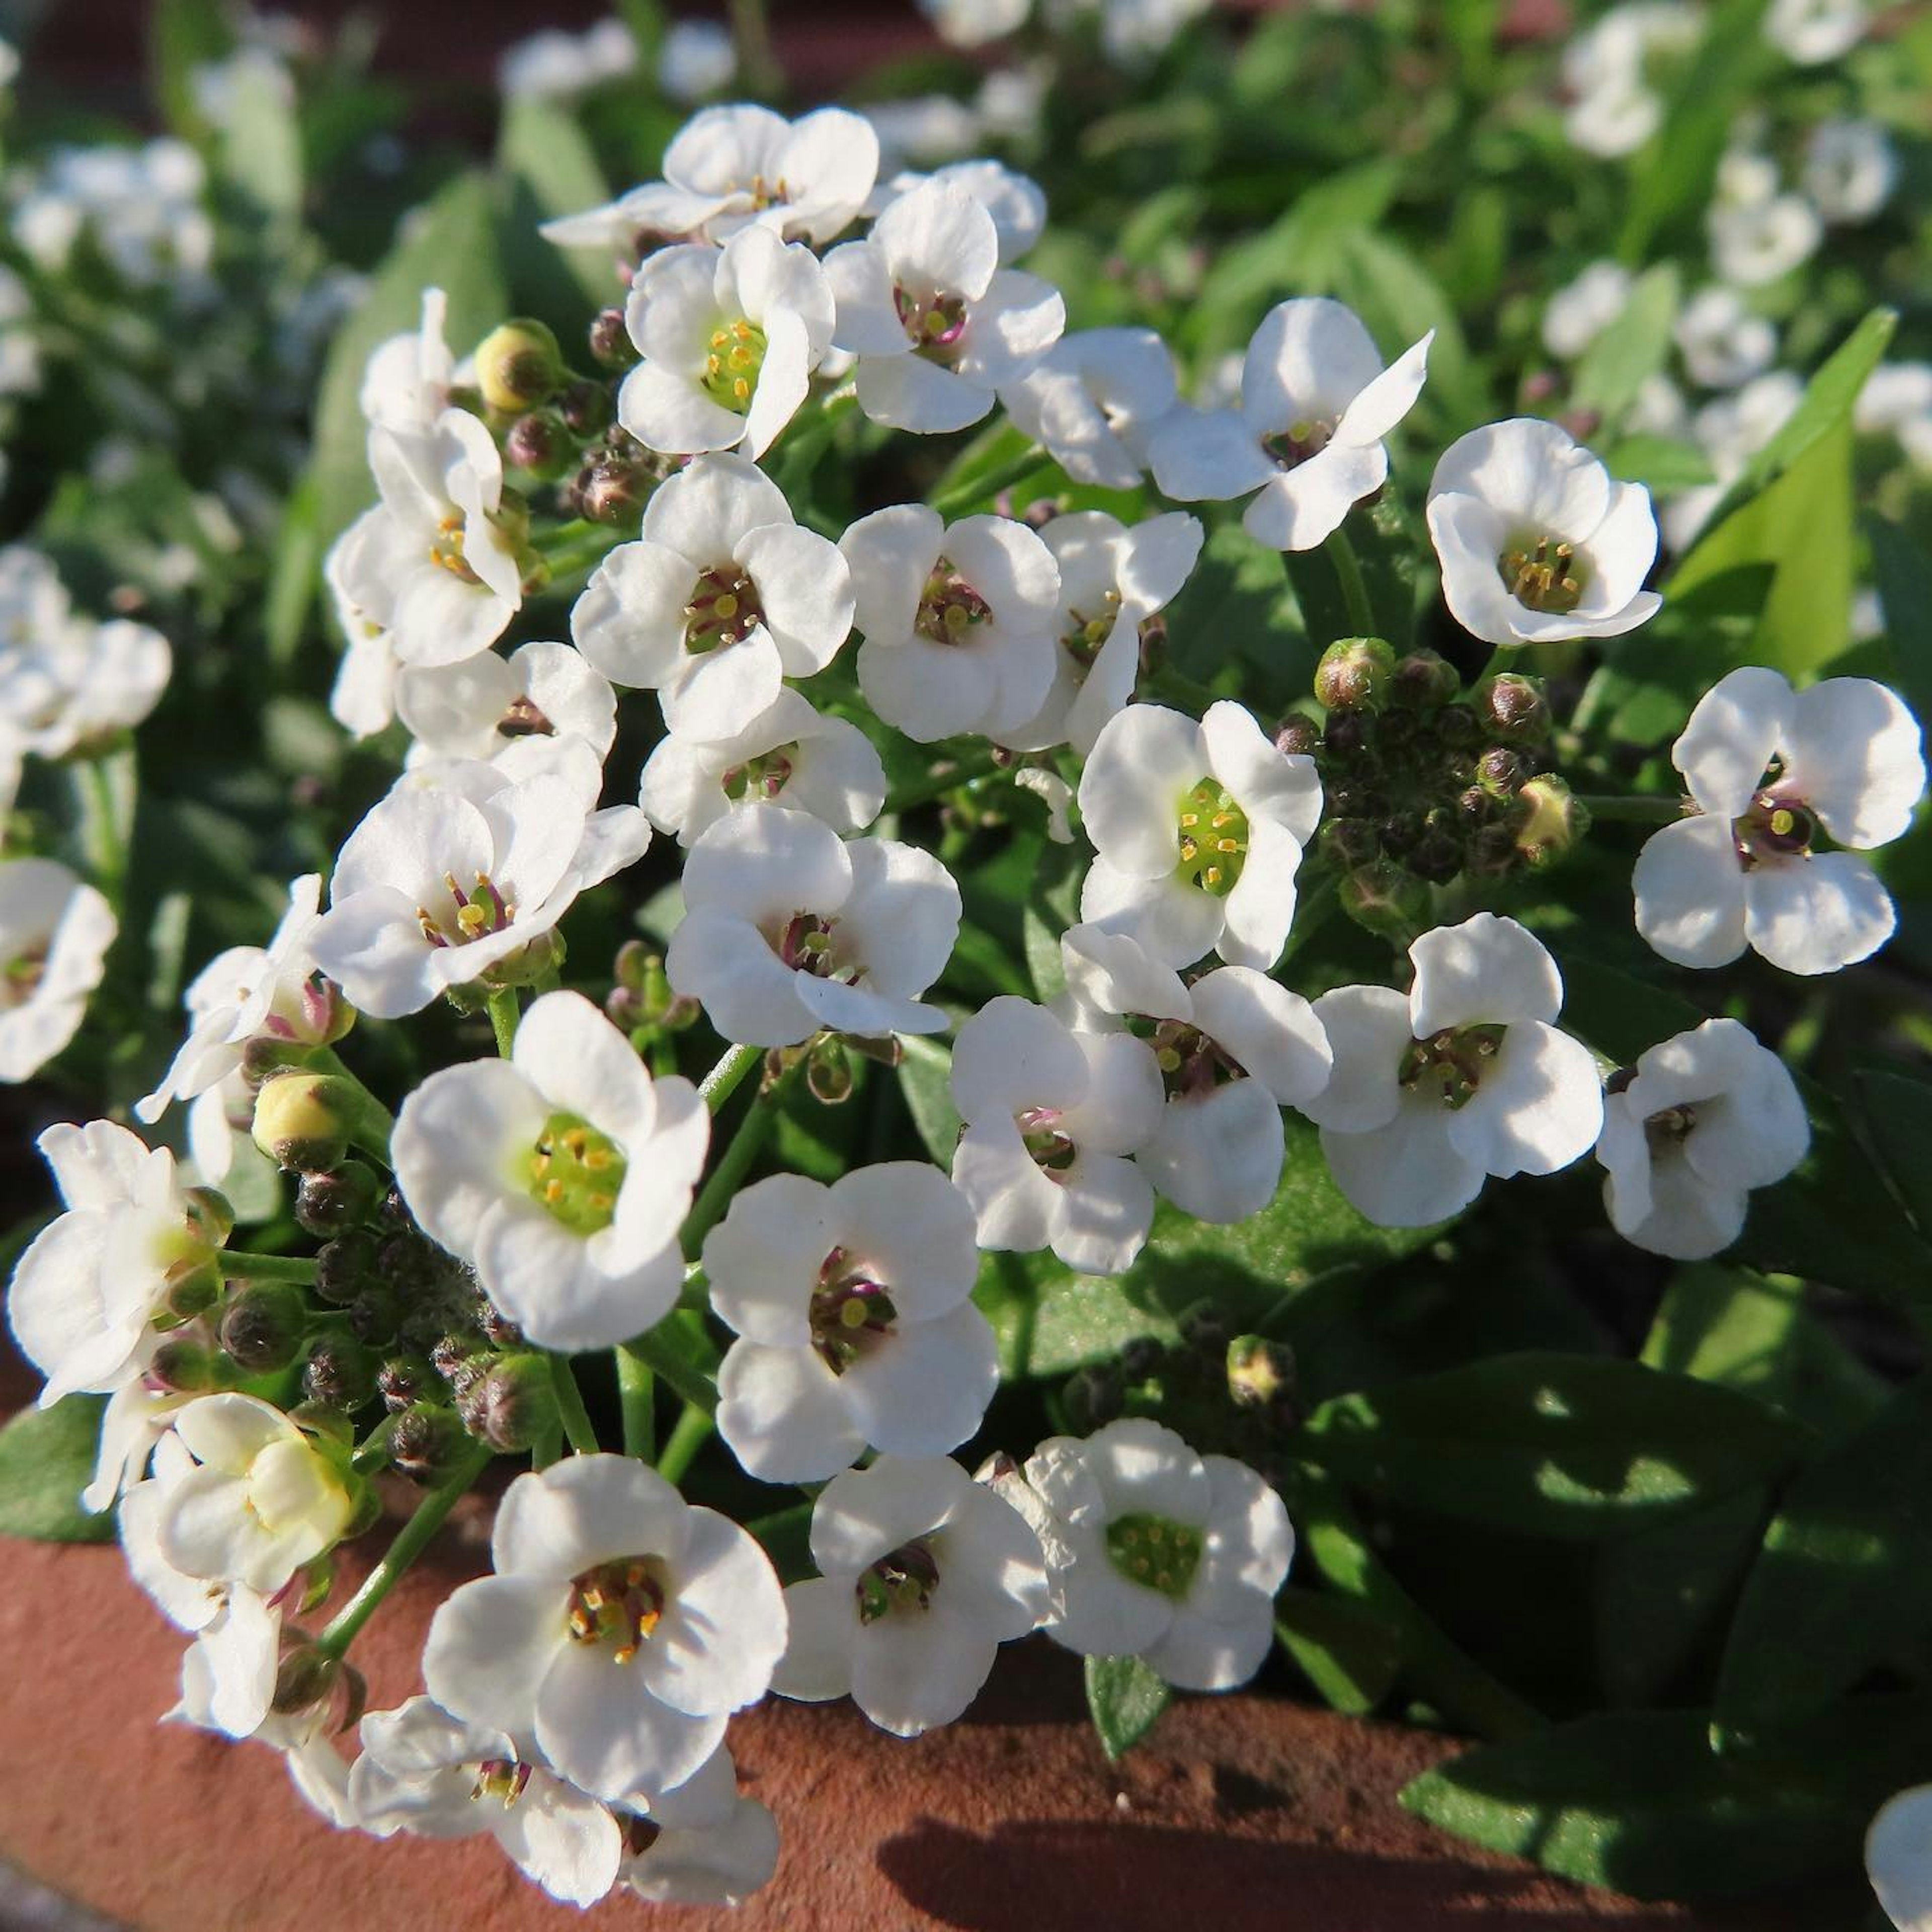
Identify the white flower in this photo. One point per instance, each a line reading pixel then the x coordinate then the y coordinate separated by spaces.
pixel 245 993
pixel 928 128
pixel 1198 830
pixel 20 345
pixel 729 167
pixel 135 1418
pixel 1850 169
pixel 924 1575
pixel 729 338
pixel 1094 399
pixel 54 931
pixel 1579 311
pixel 561 1173
pixel 1769 769
pixel 1708 1115
pixel 1898 1858
pixel 444 881
pixel 84 1294
pixel 1722 343
pixel 434 568
pixel 937 326
pixel 787 930
pixel 1055 793
pixel 405 385
pixel 1896 400
pixel 424 1772
pixel 265 1499
pixel 1812 32
pixel 363 699
pixel 1132 31
pixel 971 23
pixel 1156 1553
pixel 553 65
pixel 1234 1048
pixel 695 58
pixel 722 598
pixel 788 753
pixel 140 206
pixel 958 619
pixel 1316 403
pixel 1612 70
pixel 1051 1117
pixel 622 1629
pixel 1112 579
pixel 1016 202
pixel 850 1306
pixel 1730 431
pixel 717 1861
pixel 1535 540
pixel 476 708
pixel 1756 234
pixel 1465 1077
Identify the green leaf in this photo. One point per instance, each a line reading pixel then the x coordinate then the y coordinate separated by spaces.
pixel 1897 1115
pixel 1844 1577
pixel 1048 1321
pixel 451 244
pixel 1665 467
pixel 183 35
pixel 1568 1446
pixel 1904 573
pixel 1637 1800
pixel 1051 906
pixel 1625 355
pixel 552 171
pixel 46 1459
pixel 925 1079
pixel 294 573
pixel 1236 608
pixel 260 155
pixel 1399 301
pixel 1124 1697
pixel 1350 1655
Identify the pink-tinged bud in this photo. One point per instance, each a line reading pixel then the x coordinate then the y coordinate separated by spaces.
pixel 1353 674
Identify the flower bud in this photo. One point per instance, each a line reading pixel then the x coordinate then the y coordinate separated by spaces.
pixel 210 1219
pixel 1297 735
pixel 828 1071
pixel 499 1330
pixel 263 1325
pixel 1348 842
pixel 1259 1370
pixel 613 489
pixel 342 1267
pixel 1514 708
pixel 1353 674
pixel 303 1120
pixel 611 344
pixel 518 364
pixel 1500 771
pixel 1438 855
pixel 1422 680
pixel 1456 727
pixel 1345 735
pixel 305 1677
pixel 327 1204
pixel 264 1056
pixel 423 1440
pixel 339 1373
pixel 1551 820
pixel 540 442
pixel 585 406
pixel 511 1404
pixel 189 1287
pixel 374 1314
pixel 1388 899
pixel 184 1367
pixel 405 1380
pixel 1492 851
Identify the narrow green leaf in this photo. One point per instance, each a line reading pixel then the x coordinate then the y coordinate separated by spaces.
pixel 1400 301
pixel 925 1079
pixel 260 154
pixel 1904 573
pixel 183 35
pixel 294 573
pixel 1896 1115
pixel 1350 1655
pixel 1625 355
pixel 1664 467
pixel 46 1459
pixel 547 160
pixel 1124 1697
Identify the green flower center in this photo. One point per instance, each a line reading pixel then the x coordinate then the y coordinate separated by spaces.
pixel 732 363
pixel 1543 572
pixel 1669 1129
pixel 1155 1552
pixel 934 324
pixel 723 610
pixel 899 1584
pixel 850 1312
pixel 576 1173
pixel 1774 828
pixel 481 910
pixel 949 610
pixel 20 977
pixel 616 1604
pixel 502 1779
pixel 764 776
pixel 1082 644
pixel 1450 1064
pixel 1213 837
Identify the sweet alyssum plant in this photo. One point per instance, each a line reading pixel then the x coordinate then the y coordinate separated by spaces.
pixel 595 1229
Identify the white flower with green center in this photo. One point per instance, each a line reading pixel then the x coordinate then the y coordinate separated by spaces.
pixel 479 708
pixel 851 1306
pixel 1774 774
pixel 1723 342
pixel 405 383
pixel 729 338
pixel 265 1500
pixel 924 1574
pixel 1198 830
pixel 1898 1858
pixel 621 1630
pixel 1306 438
pixel 560 1174
pixel 1112 580
pixel 788 931
pixel 722 599
pixel 86 1294
pixel 1094 399
pixel 1699 1122
pixel 1812 32
pixel 1156 1553
pixel 1464 1077
pixel 78 686
pixel 788 753
pixel 1052 1117
pixel 1535 541
pixel 1234 1047
pixel 1615 70
pixel 938 326
pixel 54 931
pixel 958 620
pixel 1016 202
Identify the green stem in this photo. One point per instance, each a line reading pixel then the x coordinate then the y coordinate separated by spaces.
pixel 1321 895
pixel 1354 591
pixel 1179 688
pixel 752 36
pixel 636 1388
pixel 104 789
pixel 953 503
pixel 237 1263
pixel 724 1080
pixel 408 1545
pixel 734 1164
pixel 689 1434
pixel 505 1012
pixel 1638 811
pixel 675 1369
pixel 570 1406
pixel 936 783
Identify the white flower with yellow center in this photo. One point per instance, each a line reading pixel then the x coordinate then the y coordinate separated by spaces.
pixel 54 931
pixel 479 708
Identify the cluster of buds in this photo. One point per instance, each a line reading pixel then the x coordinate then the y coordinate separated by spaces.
pixel 1427 783
pixel 541 414
pixel 641 1000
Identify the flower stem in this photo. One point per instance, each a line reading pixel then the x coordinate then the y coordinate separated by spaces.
pixel 505 1012
pixel 1638 811
pixel 667 1350
pixel 636 1387
pixel 408 1545
pixel 570 1406
pixel 1354 590
pixel 104 791
pixel 734 1164
pixel 238 1262
pixel 1179 688
pixel 949 777
pixel 689 1434
pixel 723 1080
pixel 953 503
